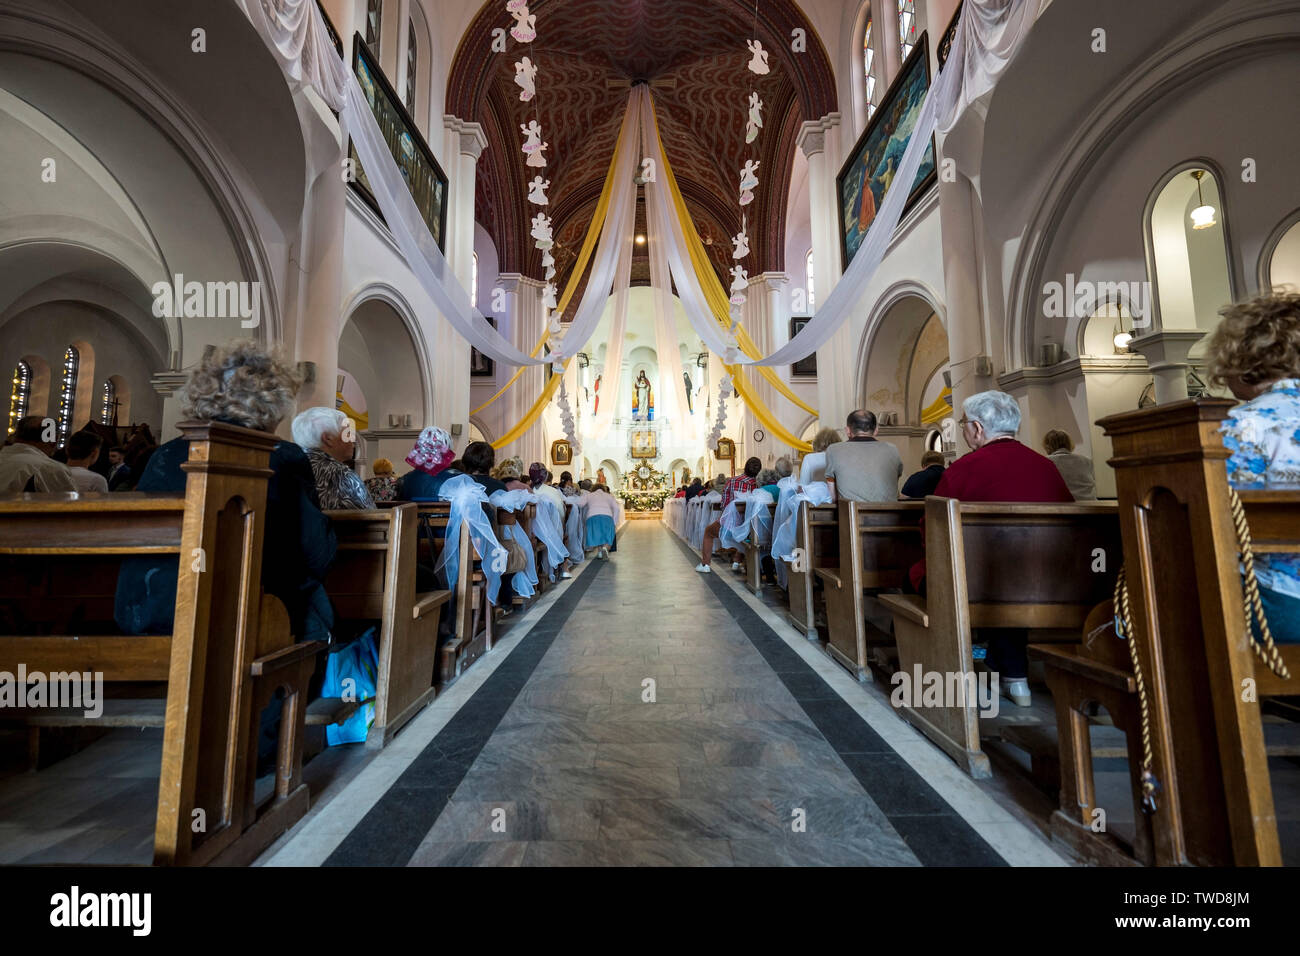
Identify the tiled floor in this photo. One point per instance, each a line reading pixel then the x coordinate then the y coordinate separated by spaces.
pixel 652 718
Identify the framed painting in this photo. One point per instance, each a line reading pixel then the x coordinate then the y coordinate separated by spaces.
pixel 480 366
pixel 726 450
pixel 643 444
pixel 869 172
pixel 427 181
pixel 806 367
pixel 561 452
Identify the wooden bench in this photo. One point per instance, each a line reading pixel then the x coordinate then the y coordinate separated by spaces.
pixel 878 543
pixel 817 545
pixel 230 651
pixel 756 548
pixel 373 581
pixel 1040 567
pixel 1204 683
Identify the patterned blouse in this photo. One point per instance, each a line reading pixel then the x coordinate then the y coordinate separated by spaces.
pixel 337 485
pixel 1263 436
pixel 382 487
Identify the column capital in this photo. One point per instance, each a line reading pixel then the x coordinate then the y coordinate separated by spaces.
pixel 516 283
pixel 812 134
pixel 472 138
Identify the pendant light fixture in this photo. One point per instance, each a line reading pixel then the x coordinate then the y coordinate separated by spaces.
pixel 1202 215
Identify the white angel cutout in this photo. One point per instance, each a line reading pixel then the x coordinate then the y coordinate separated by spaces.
pixel 542 230
pixel 525 28
pixel 532 131
pixel 548 263
pixel 537 191
pixel 758 64
pixel 537 158
pixel 525 74
pixel 553 326
pixel 755 122
pixel 739 283
pixel 548 296
pixel 741 243
pixel 748 181
pixel 513 5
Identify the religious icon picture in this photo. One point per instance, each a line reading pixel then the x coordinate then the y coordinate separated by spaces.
pixel 480 366
pixel 726 450
pixel 643 444
pixel 561 452
pixel 807 366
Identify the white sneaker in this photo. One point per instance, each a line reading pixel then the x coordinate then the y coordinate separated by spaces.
pixel 565 574
pixel 1018 691
pixel 603 553
pixel 703 569
pixel 735 565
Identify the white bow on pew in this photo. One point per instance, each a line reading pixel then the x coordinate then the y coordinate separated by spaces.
pixel 523 582
pixel 467 498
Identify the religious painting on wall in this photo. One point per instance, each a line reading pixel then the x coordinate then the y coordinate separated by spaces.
pixel 726 450
pixel 561 452
pixel 806 367
pixel 869 172
pixel 643 443
pixel 424 177
pixel 480 366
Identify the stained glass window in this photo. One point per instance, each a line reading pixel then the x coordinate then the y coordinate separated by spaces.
pixel 20 395
pixel 68 393
pixel 374 23
pixel 412 61
pixel 868 57
pixel 906 26
pixel 108 410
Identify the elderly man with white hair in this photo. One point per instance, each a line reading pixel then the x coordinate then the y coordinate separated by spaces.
pixel 999 468
pixel 326 435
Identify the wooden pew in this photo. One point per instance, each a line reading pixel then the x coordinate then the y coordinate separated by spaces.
pixel 817 544
pixel 755 549
pixel 1203 681
pixel 373 581
pixel 878 543
pixel 472 628
pixel 998 565
pixel 229 653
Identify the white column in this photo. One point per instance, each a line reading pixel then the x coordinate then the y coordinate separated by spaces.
pixel 464 144
pixel 524 321
pixel 835 378
pixel 763 309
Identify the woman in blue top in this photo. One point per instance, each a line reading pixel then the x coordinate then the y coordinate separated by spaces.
pixel 1255 352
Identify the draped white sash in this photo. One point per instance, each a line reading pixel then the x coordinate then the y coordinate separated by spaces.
pixel 467 499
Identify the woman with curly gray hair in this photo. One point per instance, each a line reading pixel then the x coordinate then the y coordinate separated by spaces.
pixel 242 384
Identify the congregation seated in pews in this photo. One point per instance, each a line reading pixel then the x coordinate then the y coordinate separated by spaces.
pixel 221 603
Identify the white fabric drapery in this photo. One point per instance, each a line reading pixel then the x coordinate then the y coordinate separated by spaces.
pixel 612 381
pixel 467 498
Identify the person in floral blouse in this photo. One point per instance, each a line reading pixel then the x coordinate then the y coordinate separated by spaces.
pixel 1255 352
pixel 383 486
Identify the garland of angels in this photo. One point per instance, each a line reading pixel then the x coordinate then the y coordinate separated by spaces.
pixel 757 65
pixel 534 150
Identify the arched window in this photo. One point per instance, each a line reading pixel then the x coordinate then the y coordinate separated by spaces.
pixel 473 281
pixel 812 294
pixel 374 24
pixel 21 394
pixel 1188 251
pixel 68 393
pixel 412 61
pixel 906 27
pixel 868 59
pixel 108 407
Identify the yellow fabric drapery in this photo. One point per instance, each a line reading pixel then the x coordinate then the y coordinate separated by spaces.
pixel 940 409
pixel 579 267
pixel 534 413
pixel 719 303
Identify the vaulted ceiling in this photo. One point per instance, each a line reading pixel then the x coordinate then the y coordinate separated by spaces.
pixel 588 53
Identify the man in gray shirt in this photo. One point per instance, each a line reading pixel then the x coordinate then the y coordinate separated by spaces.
pixel 862 468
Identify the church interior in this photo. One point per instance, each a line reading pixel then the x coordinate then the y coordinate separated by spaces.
pixel 671 433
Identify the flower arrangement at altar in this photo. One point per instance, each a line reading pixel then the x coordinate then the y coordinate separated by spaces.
pixel 645 500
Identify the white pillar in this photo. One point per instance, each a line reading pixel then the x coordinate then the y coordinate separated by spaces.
pixel 524 321
pixel 762 311
pixel 835 378
pixel 464 144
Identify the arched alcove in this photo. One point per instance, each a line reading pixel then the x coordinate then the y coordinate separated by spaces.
pixel 118 409
pixel 1187 249
pixel 1280 263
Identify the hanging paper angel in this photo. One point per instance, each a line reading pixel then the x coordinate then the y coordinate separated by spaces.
pixel 748 181
pixel 537 191
pixel 548 263
pixel 525 28
pixel 513 5
pixel 553 326
pixel 525 74
pixel 755 122
pixel 758 64
pixel 741 243
pixel 536 157
pixel 542 230
pixel 532 131
pixel 739 283
pixel 548 296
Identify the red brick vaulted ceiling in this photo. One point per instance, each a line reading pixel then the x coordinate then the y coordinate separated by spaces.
pixel 588 52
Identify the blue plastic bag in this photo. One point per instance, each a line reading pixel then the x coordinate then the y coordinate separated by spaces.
pixel 351 673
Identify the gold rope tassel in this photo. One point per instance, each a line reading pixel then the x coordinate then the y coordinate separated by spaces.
pixel 1264 649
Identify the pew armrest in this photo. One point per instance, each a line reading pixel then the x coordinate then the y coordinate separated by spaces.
pixel 428 602
pixel 829 575
pixel 1066 657
pixel 910 607
pixel 286 656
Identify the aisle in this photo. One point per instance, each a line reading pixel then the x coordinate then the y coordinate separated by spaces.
pixel 744 754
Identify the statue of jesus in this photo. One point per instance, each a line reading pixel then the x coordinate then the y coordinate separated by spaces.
pixel 643 399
